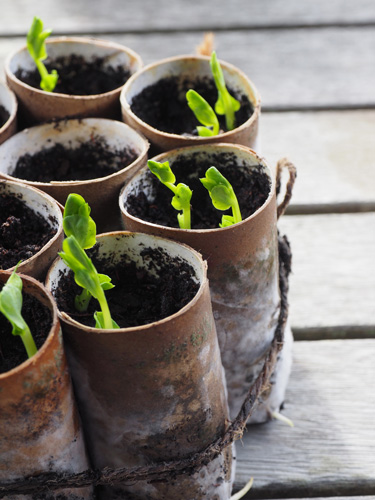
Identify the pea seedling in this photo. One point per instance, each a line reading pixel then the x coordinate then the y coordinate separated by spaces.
pixel 80 230
pixel 222 196
pixel 78 223
pixel 11 306
pixel 204 114
pixel 182 193
pixel 225 105
pixel 36 46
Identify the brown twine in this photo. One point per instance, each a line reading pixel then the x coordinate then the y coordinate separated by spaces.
pixel 165 470
pixel 281 165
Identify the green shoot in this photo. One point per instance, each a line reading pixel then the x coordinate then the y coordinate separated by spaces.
pixel 204 114
pixel 36 46
pixel 182 193
pixel 226 104
pixel 11 306
pixel 87 277
pixel 222 195
pixel 78 223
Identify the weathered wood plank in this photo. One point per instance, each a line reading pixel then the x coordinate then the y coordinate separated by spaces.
pixel 334 155
pixel 293 69
pixel 329 452
pixel 149 15
pixel 333 280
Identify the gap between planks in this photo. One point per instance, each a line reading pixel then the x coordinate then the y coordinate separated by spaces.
pixel 146 16
pixel 333 272
pixel 329 452
pixel 304 69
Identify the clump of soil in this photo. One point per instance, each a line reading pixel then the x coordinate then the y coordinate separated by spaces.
pixel 251 188
pixel 4 116
pixel 139 296
pixel 23 232
pixel 78 76
pixel 38 318
pixel 90 160
pixel 163 104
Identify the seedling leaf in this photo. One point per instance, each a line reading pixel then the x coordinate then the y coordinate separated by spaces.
pixel 77 221
pixel 204 113
pixel 99 321
pixel 162 171
pixel 226 104
pixel 222 195
pixel 35 42
pixel 85 275
pixel 11 306
pixel 182 193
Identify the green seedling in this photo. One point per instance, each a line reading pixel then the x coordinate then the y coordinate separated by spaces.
pixel 222 195
pixel 78 223
pixel 182 193
pixel 11 306
pixel 226 104
pixel 204 114
pixel 87 277
pixel 36 46
pixel 80 230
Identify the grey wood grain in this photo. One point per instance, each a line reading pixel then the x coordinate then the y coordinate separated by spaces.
pixel 334 153
pixel 293 69
pixel 329 452
pixel 333 279
pixel 149 15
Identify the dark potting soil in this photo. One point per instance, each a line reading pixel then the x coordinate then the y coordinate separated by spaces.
pixel 251 189
pixel 163 105
pixel 91 160
pixel 38 318
pixel 4 116
pixel 78 76
pixel 23 232
pixel 139 297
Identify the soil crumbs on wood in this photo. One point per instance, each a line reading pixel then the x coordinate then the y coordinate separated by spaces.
pixel 90 160
pixel 4 116
pixel 39 320
pixel 139 296
pixel 252 190
pixel 163 105
pixel 23 232
pixel 78 76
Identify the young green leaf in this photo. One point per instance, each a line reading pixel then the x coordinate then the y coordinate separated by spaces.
pixel 82 300
pixel 77 221
pixel 11 306
pixel 222 195
pixel 99 321
pixel 35 42
pixel 182 193
pixel 204 114
pixel 226 104
pixel 163 172
pixel 85 275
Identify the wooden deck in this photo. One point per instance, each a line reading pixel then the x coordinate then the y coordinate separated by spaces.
pixel 314 65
